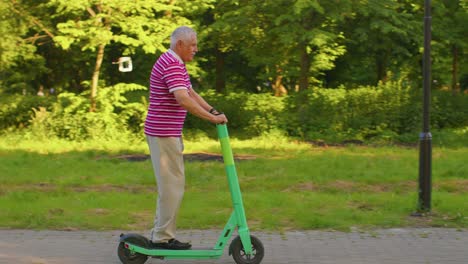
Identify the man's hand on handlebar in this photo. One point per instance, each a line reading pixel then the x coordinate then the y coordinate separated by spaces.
pixel 220 119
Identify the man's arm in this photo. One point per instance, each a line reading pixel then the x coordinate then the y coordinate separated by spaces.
pixel 196 105
pixel 203 103
pixel 200 100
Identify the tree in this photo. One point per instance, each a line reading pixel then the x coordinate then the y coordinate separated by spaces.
pixel 94 24
pixel 294 42
pixel 225 68
pixel 19 63
pixel 450 39
pixel 381 36
pixel 309 28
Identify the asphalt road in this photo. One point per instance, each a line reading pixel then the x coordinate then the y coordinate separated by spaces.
pixel 413 245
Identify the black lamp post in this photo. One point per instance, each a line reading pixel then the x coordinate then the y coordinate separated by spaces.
pixel 425 138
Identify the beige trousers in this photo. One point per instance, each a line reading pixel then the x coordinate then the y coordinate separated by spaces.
pixel 168 165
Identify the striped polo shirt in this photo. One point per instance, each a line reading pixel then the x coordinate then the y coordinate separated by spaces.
pixel 165 116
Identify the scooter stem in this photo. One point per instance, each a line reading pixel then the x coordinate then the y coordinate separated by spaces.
pixel 234 187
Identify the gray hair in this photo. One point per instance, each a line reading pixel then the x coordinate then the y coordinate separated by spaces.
pixel 181 33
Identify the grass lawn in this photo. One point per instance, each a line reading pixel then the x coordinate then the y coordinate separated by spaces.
pixel 285 185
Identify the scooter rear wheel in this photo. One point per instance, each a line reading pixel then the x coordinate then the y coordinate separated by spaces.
pixel 238 252
pixel 128 257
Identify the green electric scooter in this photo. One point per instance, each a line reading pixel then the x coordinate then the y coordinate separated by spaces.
pixel 245 248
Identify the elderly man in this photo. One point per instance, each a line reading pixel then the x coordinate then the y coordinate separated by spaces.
pixel 171 96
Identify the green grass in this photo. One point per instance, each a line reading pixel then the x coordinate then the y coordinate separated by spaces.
pixel 289 185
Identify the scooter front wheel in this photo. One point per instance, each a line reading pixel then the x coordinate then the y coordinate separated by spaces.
pixel 126 256
pixel 239 255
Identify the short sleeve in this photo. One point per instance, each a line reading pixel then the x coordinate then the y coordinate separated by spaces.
pixel 174 77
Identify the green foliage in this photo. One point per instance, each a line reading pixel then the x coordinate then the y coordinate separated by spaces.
pixel 366 112
pixel 449 41
pixel 19 63
pixel 43 30
pixel 245 47
pixel 261 111
pixel 70 118
pixel 249 115
pixel 449 110
pixel 361 113
pixel 16 110
pixel 251 43
pixel 450 138
pixel 293 39
pixel 381 37
pixel 389 112
pixel 133 24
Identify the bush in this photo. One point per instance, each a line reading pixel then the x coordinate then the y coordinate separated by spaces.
pixel 449 110
pixel 360 113
pixel 70 118
pixel 249 115
pixel 387 112
pixel 369 113
pixel 16 110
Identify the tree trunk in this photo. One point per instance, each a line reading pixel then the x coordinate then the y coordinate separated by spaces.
pixel 168 13
pixel 278 86
pixel 220 85
pixel 305 67
pixel 454 69
pixel 95 79
pixel 381 65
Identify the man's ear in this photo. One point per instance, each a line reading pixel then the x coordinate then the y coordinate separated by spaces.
pixel 180 43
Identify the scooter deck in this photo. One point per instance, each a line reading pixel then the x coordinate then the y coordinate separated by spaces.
pixel 194 253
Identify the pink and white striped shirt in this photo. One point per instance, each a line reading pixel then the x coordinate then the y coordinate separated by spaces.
pixel 165 116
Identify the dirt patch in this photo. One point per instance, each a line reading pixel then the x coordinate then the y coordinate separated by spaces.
pixel 199 156
pixel 421 220
pixel 131 157
pixel 49 187
pixel 402 186
pixel 453 186
pixel 99 211
pixel 303 186
pixel 113 188
pixel 56 211
pixel 203 157
pixel 357 142
pixel 42 186
pixel 349 187
pixel 362 206
pixel 343 185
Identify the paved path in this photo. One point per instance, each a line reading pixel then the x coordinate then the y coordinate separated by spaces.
pixel 425 246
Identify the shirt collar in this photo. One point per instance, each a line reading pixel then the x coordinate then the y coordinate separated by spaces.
pixel 175 55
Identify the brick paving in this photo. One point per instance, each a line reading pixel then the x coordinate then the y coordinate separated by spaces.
pixel 409 245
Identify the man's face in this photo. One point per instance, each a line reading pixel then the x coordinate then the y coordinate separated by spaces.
pixel 188 48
